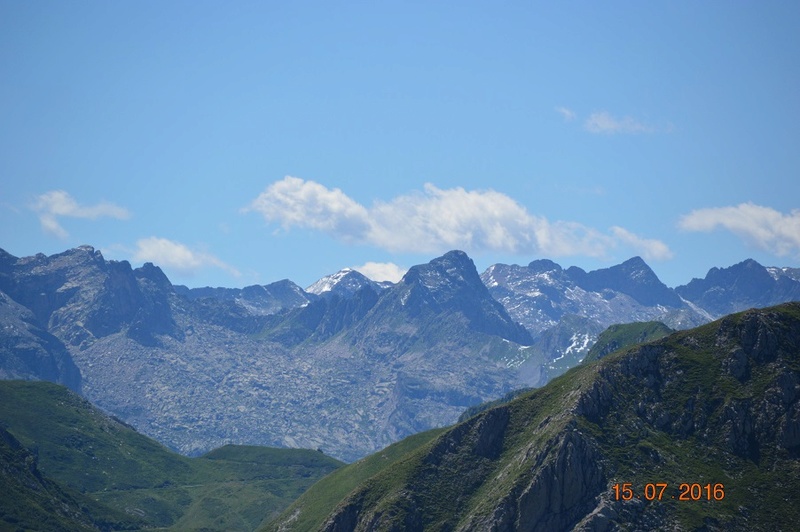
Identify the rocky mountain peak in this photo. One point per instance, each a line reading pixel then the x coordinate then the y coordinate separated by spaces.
pixel 543 266
pixel 451 283
pixel 634 278
pixel 636 263
pixel 344 283
pixel 155 275
pixel 452 272
pixel 84 253
pixel 743 285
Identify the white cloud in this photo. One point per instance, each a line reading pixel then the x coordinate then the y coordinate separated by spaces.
pixel 58 203
pixel 604 122
pixel 382 271
pixel 171 254
pixel 648 248
pixel 295 202
pixel 567 114
pixel 431 221
pixel 51 226
pixel 762 227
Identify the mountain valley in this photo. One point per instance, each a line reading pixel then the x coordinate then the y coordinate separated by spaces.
pixel 65 465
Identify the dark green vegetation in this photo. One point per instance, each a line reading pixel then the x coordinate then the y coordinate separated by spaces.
pixel 60 449
pixel 719 404
pixel 624 335
pixel 31 501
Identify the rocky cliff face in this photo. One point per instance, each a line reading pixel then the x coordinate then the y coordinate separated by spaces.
pixel 80 297
pixel 27 351
pixel 715 406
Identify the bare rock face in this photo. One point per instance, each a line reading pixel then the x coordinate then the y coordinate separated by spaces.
pixel 29 352
pixel 562 489
pixel 79 296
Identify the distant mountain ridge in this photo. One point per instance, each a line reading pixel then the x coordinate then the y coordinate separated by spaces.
pixel 197 369
pixel 539 295
pixel 345 283
pixel 256 299
pixel 566 309
pixel 348 371
pixel 563 306
pixel 633 277
pixel 451 284
pixel 747 284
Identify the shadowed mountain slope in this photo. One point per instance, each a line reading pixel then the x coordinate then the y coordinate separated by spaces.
pixel 744 285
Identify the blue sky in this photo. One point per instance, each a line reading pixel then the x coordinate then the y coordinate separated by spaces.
pixel 235 143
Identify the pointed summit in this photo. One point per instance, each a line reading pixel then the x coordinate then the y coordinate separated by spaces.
pixel 451 283
pixel 443 276
pixel 344 283
pixel 634 278
pixel 150 272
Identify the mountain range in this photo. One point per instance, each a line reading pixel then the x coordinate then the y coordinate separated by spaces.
pixel 347 366
pixel 695 430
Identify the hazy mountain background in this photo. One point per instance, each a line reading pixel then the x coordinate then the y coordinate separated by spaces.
pixel 348 366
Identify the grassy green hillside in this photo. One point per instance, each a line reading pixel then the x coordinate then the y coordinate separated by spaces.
pixel 84 450
pixel 716 409
pixel 30 501
pixel 625 335
pixel 312 508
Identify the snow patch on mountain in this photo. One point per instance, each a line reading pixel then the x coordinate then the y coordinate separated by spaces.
pixel 327 283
